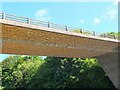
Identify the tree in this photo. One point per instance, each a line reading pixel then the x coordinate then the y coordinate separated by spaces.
pixel 17 71
pixel 70 73
pixel 114 35
pixel 53 72
pixel 83 32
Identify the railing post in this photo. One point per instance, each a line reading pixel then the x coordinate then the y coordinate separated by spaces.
pixel 80 30
pixel 3 15
pixel 104 35
pixel 114 36
pixel 28 21
pixel 48 24
pixel 93 33
pixel 66 28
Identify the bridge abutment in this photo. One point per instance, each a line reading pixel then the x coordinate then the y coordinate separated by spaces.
pixel 109 63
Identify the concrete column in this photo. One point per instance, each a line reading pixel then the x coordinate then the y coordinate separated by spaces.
pixel 109 63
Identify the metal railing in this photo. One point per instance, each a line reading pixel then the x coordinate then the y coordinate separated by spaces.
pixel 34 22
pixel 54 26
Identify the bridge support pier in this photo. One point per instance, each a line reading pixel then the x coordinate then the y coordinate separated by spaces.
pixel 109 63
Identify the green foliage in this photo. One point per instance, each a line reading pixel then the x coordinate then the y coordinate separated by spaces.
pixel 70 73
pixel 1 88
pixel 17 71
pixel 83 32
pixel 111 35
pixel 78 31
pixel 108 34
pixel 114 34
pixel 53 72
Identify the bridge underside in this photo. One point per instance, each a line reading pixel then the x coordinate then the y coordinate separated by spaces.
pixel 29 41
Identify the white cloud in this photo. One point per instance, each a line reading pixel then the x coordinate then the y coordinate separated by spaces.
pixel 110 14
pixel 116 2
pixel 112 11
pixel 97 20
pixel 42 14
pixel 82 21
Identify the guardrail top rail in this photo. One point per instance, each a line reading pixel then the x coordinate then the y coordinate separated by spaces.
pixel 53 25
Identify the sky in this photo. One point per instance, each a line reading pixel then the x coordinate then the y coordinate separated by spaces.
pixel 91 16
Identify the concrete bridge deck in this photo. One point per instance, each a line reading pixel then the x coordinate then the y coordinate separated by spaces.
pixel 26 39
pixel 52 41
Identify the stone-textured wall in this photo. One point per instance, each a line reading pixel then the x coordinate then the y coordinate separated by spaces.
pixel 81 47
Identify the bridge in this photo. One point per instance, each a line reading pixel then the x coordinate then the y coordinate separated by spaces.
pixel 25 36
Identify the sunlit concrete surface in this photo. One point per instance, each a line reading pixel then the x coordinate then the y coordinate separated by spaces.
pixel 25 39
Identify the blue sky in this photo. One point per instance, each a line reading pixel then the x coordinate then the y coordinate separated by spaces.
pixel 91 16
pixel 97 16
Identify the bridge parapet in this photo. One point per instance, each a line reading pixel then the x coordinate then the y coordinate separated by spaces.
pixel 26 20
